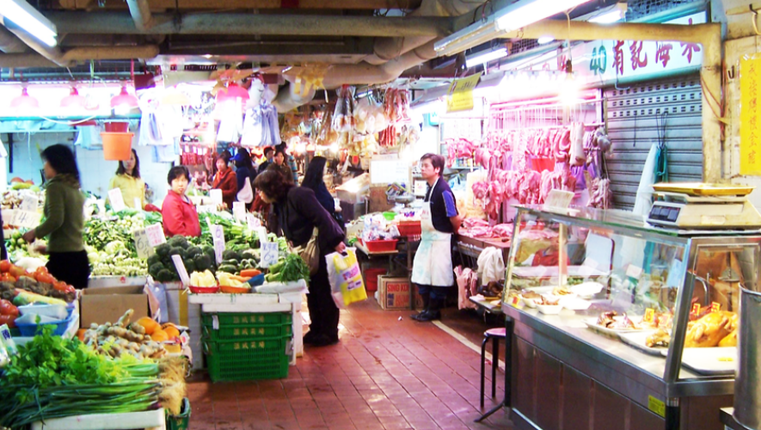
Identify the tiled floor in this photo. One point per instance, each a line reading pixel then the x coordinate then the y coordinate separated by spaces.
pixel 386 373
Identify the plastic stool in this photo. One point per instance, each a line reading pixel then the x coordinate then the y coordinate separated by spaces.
pixel 495 334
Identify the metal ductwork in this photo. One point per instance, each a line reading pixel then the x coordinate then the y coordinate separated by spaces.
pixel 74 55
pixel 368 74
pixel 287 98
pixel 141 14
pixel 389 48
pixel 9 43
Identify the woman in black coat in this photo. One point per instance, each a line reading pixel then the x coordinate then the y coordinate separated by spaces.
pixel 298 213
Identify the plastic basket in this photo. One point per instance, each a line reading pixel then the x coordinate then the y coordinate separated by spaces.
pixel 230 318
pixel 181 421
pixel 389 216
pixel 247 360
pixel 409 228
pixel 380 245
pixel 247 332
pixel 371 278
pixel 116 127
pixel 59 327
pixel 117 146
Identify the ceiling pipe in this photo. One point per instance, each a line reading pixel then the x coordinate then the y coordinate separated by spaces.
pixel 9 43
pixel 259 4
pixel 708 36
pixel 389 48
pixel 74 55
pixel 287 98
pixel 141 14
pixel 250 24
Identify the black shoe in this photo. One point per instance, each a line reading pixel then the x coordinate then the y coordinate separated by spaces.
pixel 417 315
pixel 324 340
pixel 426 316
pixel 310 337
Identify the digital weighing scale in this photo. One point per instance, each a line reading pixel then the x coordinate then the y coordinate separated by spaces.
pixel 703 206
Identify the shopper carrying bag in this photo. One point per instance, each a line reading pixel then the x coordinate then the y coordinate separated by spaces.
pixel 346 283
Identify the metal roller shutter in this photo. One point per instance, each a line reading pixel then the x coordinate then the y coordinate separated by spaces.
pixel 633 115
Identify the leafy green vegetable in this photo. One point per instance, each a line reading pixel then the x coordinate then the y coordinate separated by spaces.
pixel 292 268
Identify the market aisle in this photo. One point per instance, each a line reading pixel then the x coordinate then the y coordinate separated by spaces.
pixel 384 374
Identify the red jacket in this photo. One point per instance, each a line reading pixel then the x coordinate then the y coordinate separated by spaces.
pixel 228 183
pixel 180 216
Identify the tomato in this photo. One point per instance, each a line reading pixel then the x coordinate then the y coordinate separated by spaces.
pixel 7 277
pixel 8 319
pixel 42 269
pixel 63 286
pixel 5 265
pixel 16 271
pixel 44 278
pixel 7 308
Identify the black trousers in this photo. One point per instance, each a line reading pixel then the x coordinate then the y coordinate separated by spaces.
pixel 70 267
pixel 322 309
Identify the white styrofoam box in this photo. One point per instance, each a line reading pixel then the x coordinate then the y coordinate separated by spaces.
pixel 115 281
pixel 233 299
pixel 148 419
pixel 250 308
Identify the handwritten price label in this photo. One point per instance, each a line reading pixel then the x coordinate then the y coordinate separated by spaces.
pixel 715 307
pixel 116 199
pixel 253 222
pixel 239 211
pixel 218 237
pixel 649 314
pixel 29 203
pixel 142 245
pixel 181 270
pixel 269 254
pixel 27 219
pixel 216 196
pixel 695 309
pixel 155 235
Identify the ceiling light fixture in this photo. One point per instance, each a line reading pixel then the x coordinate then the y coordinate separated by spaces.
pixel 610 15
pixel 484 57
pixel 74 99
pixel 545 40
pixel 522 14
pixel 124 101
pixel 25 101
pixel 19 14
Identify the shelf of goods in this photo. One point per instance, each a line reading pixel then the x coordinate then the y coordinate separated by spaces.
pixel 601 315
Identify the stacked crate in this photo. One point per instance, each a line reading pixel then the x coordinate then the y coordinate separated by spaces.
pixel 247 346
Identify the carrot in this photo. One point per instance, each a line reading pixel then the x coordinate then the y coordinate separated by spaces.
pixel 250 273
pixel 239 278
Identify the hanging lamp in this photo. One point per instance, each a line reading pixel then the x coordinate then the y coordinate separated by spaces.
pixel 74 100
pixel 25 101
pixel 124 100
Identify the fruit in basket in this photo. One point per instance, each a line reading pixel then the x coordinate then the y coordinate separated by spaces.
pixel 160 336
pixel 203 279
pixel 149 324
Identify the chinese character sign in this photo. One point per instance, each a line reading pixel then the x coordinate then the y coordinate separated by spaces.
pixel 750 117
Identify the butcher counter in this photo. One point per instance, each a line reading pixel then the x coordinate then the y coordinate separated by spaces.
pixel 577 365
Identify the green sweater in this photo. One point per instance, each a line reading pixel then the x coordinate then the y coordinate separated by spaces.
pixel 64 217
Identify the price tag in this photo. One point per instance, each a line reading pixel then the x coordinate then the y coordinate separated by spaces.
pixel 138 203
pixel 101 207
pixel 253 222
pixel 559 199
pixel 269 254
pixel 27 219
pixel 9 216
pixel 218 237
pixel 715 307
pixel 206 208
pixel 155 235
pixel 263 235
pixel 649 314
pixel 216 196
pixel 514 301
pixel 142 245
pixel 116 199
pixel 29 203
pixel 181 270
pixel 239 211
pixel 695 309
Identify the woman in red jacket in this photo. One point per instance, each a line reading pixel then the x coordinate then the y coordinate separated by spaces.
pixel 226 181
pixel 178 212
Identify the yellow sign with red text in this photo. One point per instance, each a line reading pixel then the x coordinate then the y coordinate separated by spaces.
pixel 750 116
pixel 460 94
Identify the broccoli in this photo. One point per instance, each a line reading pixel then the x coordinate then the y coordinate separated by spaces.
pixel 229 254
pixel 166 276
pixel 175 251
pixel 154 270
pixel 178 241
pixel 208 249
pixel 192 251
pixel 190 265
pixel 248 254
pixel 163 250
pixel 203 262
pixel 153 259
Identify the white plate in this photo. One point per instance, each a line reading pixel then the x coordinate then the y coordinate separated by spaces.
pixel 549 309
pixel 637 340
pixel 586 290
pixel 574 303
pixel 706 361
pixel 592 324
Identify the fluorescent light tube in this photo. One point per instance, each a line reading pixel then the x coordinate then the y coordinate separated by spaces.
pixel 545 40
pixel 608 18
pixel 29 19
pixel 525 13
pixel 484 57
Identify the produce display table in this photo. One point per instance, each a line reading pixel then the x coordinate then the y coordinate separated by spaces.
pixel 152 420
pixel 257 303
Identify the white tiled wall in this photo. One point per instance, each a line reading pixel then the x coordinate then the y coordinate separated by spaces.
pixel 96 173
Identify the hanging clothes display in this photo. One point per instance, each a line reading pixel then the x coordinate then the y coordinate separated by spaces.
pixel 260 126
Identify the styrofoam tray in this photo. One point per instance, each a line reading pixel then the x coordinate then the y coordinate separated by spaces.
pixel 592 324
pixel 637 340
pixel 708 361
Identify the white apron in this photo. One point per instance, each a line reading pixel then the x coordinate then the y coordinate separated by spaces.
pixel 433 259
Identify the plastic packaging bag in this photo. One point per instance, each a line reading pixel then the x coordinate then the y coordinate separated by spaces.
pixel 346 284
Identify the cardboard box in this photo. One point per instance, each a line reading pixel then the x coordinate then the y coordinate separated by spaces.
pixel 393 293
pixel 101 305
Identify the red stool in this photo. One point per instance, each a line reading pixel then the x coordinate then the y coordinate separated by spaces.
pixel 495 334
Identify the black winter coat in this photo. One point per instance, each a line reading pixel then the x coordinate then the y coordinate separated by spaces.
pixel 300 212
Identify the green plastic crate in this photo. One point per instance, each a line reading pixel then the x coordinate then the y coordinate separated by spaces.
pixel 230 318
pixel 181 421
pixel 236 360
pixel 248 331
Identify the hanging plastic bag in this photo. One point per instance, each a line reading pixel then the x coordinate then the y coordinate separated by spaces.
pixel 346 284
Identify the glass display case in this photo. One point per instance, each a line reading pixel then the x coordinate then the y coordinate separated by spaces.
pixel 647 316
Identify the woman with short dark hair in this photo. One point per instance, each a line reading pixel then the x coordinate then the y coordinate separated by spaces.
pixel 178 212
pixel 64 218
pixel 299 212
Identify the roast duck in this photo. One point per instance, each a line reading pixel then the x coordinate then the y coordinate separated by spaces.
pixel 713 329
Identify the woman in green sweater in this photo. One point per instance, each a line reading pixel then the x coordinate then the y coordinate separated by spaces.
pixel 64 218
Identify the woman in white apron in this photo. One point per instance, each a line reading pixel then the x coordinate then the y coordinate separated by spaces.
pixel 432 268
